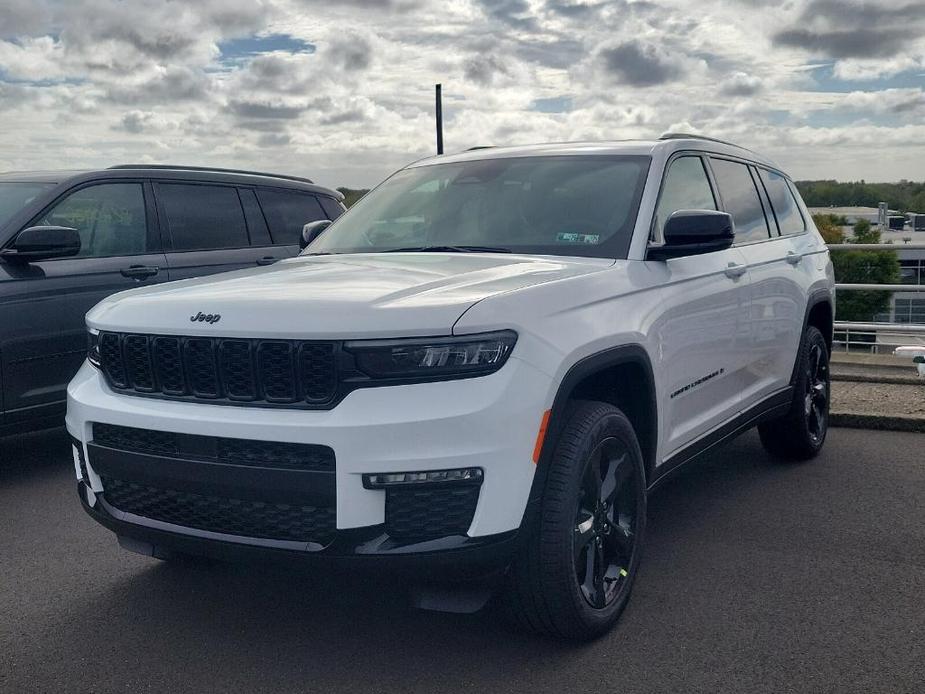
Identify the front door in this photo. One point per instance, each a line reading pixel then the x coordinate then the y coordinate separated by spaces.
pixel 43 337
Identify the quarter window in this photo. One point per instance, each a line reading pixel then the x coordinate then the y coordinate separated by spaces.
pixel 287 212
pixel 789 219
pixel 203 217
pixel 740 199
pixel 686 187
pixel 109 217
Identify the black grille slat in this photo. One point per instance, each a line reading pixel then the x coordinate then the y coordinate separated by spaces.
pixel 228 451
pixel 237 369
pixel 258 519
pixel 317 372
pixel 275 365
pixel 243 371
pixel 168 365
pixel 199 360
pixel 416 514
pixel 112 361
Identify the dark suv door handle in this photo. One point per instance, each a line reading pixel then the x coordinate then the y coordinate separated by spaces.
pixel 140 272
pixel 267 260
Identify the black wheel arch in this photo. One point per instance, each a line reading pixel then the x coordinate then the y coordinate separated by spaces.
pixel 622 376
pixel 820 313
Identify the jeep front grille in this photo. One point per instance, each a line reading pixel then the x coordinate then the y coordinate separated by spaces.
pixel 222 370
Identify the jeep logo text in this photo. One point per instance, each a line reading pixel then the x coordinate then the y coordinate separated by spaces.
pixel 205 318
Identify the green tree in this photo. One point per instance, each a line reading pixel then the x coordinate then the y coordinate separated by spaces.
pixel 864 267
pixel 829 226
pixel 351 195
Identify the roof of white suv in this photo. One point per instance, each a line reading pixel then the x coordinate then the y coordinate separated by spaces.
pixel 667 145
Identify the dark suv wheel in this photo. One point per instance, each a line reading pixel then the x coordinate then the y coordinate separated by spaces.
pixel 800 433
pixel 574 575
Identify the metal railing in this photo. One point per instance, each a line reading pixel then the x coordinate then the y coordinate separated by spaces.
pixel 877 337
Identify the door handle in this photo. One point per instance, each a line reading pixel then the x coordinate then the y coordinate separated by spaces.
pixel 735 271
pixel 266 260
pixel 794 258
pixel 140 272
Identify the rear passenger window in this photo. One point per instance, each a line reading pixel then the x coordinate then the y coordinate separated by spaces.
pixel 789 219
pixel 287 211
pixel 740 198
pixel 203 217
pixel 686 187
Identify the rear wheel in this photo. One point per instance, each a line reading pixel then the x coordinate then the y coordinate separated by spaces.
pixel 574 575
pixel 800 434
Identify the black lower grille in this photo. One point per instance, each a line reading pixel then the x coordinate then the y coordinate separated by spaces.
pixel 268 454
pixel 420 514
pixel 256 519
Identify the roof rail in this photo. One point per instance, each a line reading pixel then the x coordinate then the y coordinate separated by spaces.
pixel 472 149
pixel 691 136
pixel 171 167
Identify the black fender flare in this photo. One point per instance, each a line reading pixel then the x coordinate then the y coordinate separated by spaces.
pixel 629 354
pixel 816 297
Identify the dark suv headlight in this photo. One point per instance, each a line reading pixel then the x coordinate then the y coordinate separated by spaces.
pixel 433 359
pixel 93 349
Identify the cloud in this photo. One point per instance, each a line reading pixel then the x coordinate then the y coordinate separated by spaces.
pixel 351 52
pixel 514 13
pixel 264 110
pixel 741 84
pixel 639 64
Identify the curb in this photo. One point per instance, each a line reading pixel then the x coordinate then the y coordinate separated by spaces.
pixel 854 420
pixel 892 380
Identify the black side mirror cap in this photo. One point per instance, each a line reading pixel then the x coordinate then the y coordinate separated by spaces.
pixel 312 231
pixel 693 232
pixel 42 243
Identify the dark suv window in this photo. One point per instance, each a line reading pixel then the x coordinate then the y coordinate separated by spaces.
pixel 740 198
pixel 789 219
pixel 203 217
pixel 287 211
pixel 110 218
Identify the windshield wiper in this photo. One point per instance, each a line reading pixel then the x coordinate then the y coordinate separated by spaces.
pixel 449 249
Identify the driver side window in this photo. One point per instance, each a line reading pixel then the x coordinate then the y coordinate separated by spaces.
pixel 109 217
pixel 686 187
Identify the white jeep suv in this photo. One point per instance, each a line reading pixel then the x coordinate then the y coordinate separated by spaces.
pixel 480 370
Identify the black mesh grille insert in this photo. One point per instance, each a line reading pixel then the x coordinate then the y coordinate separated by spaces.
pixel 257 519
pixel 420 514
pixel 262 372
pixel 268 454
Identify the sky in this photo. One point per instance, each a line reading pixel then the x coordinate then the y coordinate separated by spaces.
pixel 341 91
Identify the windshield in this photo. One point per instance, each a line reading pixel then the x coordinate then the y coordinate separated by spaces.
pixel 555 205
pixel 15 196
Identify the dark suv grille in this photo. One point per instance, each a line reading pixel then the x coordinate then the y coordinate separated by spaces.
pixel 229 370
pixel 227 451
pixel 229 516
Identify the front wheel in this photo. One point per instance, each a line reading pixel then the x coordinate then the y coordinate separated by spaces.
pixel 573 577
pixel 800 433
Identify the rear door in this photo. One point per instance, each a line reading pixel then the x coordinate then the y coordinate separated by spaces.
pixel 776 300
pixel 210 228
pixel 42 304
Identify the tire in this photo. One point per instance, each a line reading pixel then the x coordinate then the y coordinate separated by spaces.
pixel 573 576
pixel 800 434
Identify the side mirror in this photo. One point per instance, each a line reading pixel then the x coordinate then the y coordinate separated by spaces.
pixel 42 243
pixel 312 231
pixel 692 232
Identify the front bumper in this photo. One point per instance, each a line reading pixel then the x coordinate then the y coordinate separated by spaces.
pixel 489 423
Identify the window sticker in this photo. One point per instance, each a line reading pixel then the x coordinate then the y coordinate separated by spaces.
pixel 569 237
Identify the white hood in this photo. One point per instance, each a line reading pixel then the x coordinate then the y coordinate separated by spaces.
pixel 337 296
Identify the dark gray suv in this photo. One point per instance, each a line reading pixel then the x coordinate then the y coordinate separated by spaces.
pixel 68 239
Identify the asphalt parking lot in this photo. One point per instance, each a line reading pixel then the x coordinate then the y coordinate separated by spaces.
pixel 757 578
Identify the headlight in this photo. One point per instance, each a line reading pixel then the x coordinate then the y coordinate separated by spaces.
pixel 93 348
pixel 433 359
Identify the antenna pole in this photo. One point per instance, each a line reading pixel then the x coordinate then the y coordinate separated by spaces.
pixel 439 119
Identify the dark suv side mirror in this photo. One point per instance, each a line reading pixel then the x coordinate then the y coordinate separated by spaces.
pixel 42 243
pixel 692 232
pixel 312 231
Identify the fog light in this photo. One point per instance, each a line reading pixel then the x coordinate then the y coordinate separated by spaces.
pixel 383 480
